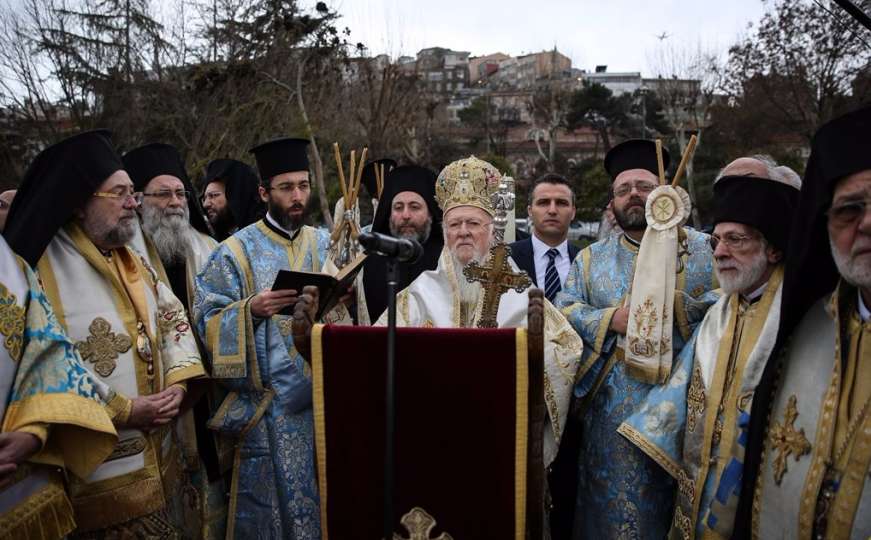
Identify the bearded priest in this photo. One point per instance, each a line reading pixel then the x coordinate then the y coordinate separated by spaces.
pixel 73 223
pixel 171 216
pixel 444 298
pixel 174 237
pixel 622 492
pixel 268 411
pixel 695 426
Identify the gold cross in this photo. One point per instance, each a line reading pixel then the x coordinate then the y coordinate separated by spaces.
pixel 786 440
pixel 497 279
pixel 11 322
pixel 419 525
pixel 103 346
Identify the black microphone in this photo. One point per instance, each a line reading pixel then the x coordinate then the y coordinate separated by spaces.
pixel 402 249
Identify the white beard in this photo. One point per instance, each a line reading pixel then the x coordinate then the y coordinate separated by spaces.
pixel 470 292
pixel 746 276
pixel 853 271
pixel 168 232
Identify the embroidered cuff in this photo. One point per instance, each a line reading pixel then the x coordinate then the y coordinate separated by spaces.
pixel 38 429
pixel 119 408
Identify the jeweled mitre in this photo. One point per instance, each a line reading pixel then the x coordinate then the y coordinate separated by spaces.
pixel 467 182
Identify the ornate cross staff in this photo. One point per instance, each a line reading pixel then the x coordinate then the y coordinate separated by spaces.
pixel 503 202
pixel 343 240
pixel 497 279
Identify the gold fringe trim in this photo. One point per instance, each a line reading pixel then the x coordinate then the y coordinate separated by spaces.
pixel 119 505
pixel 522 433
pixel 320 421
pixel 46 514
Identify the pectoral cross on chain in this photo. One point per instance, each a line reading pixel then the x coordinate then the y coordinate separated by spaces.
pixel 497 279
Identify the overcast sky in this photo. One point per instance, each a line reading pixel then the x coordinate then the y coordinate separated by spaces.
pixel 618 33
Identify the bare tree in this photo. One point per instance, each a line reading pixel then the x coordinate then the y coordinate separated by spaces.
pixel 801 64
pixel 549 107
pixel 686 81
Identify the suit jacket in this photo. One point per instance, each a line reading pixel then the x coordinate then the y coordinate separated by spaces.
pixel 521 252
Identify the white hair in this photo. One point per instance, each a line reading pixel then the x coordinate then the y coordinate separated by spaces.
pixel 770 166
pixel 787 176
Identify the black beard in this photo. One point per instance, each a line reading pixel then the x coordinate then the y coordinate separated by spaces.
pixel 633 219
pixel 223 224
pixel 284 220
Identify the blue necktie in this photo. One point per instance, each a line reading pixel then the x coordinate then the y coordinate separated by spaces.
pixel 551 276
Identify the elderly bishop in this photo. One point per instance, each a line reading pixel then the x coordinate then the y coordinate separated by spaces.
pixel 695 426
pixel 130 329
pixel 453 295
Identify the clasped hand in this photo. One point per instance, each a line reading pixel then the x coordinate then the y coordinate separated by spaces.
pixel 155 410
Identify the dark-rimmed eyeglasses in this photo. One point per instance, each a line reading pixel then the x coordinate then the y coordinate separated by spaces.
pixel 641 186
pixel 733 241
pixel 847 213
pixel 167 194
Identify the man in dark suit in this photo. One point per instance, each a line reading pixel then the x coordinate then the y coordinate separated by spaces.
pixel 547 256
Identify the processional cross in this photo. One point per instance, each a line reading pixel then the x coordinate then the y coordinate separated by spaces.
pixel 497 279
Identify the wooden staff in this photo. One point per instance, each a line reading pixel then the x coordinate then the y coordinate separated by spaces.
pixel 355 188
pixel 341 170
pixel 353 175
pixel 659 161
pixel 688 152
pixel 379 180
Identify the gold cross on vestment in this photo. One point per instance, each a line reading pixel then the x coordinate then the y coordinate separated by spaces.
pixel 497 279
pixel 419 525
pixel 787 441
pixel 103 346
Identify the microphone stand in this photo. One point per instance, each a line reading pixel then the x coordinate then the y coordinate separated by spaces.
pixel 390 409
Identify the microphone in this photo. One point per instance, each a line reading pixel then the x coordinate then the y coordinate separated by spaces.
pixel 402 249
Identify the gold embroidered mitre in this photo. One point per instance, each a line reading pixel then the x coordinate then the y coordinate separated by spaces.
pixel 468 182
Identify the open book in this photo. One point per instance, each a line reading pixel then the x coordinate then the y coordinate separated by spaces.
pixel 331 288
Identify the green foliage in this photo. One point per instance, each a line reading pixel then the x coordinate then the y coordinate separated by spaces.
pixel 591 184
pixel 499 162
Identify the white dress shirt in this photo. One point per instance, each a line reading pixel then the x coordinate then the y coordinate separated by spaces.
pixel 864 314
pixel 539 255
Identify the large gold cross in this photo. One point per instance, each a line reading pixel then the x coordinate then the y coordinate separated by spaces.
pixel 497 279
pixel 787 441
pixel 419 525
pixel 103 346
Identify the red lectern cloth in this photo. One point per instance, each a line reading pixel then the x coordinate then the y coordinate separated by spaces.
pixel 461 430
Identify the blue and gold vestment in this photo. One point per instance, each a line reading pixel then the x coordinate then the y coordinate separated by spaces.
pixel 269 406
pixel 621 492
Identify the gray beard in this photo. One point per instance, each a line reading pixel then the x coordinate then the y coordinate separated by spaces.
pixel 747 276
pixel 108 237
pixel 168 233
pixel 851 270
pixel 421 234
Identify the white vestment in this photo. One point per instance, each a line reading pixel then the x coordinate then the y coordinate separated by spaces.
pixel 433 300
